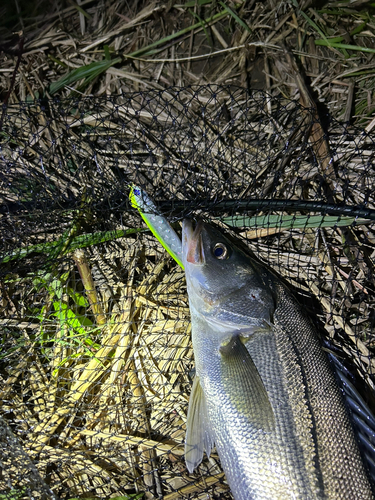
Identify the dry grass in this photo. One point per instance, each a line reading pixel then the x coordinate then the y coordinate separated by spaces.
pixel 96 360
pixel 119 47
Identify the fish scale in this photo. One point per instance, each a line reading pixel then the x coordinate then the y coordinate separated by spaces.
pixel 264 391
pixel 254 455
pixel 341 478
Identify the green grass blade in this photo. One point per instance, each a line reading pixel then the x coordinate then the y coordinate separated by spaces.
pixel 358 29
pixel 82 11
pixel 147 50
pixel 202 25
pixel 107 53
pixel 52 249
pixel 328 43
pixel 336 39
pixel 313 25
pixel 57 61
pixel 193 3
pixel 235 17
pixel 88 73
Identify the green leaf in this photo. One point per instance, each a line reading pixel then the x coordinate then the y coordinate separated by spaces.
pixel 76 322
pixel 78 298
pixel 56 288
pixel 13 494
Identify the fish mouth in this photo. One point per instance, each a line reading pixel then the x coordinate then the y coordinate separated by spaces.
pixel 192 244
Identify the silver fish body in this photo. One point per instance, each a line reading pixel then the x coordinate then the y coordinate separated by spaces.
pixel 264 392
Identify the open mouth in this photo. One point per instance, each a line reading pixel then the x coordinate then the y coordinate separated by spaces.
pixel 192 246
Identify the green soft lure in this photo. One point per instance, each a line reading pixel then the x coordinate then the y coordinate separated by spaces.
pixel 158 225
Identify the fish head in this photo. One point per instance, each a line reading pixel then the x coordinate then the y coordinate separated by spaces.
pixel 225 285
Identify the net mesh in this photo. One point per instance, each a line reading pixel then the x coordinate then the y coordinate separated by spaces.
pixel 96 361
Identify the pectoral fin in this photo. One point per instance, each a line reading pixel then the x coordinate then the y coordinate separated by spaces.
pixel 244 386
pixel 199 436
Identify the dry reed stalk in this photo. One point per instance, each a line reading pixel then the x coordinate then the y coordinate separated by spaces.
pixel 129 399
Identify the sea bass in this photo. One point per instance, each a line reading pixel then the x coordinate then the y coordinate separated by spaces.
pixel 263 392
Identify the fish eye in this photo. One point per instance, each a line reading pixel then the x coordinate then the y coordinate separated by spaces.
pixel 220 251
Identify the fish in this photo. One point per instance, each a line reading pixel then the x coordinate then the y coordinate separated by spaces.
pixel 264 392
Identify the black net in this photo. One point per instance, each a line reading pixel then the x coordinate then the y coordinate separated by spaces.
pixel 96 361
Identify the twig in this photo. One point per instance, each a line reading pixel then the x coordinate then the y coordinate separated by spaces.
pixel 349 103
pixel 317 136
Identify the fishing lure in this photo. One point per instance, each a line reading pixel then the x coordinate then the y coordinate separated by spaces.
pixel 157 223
